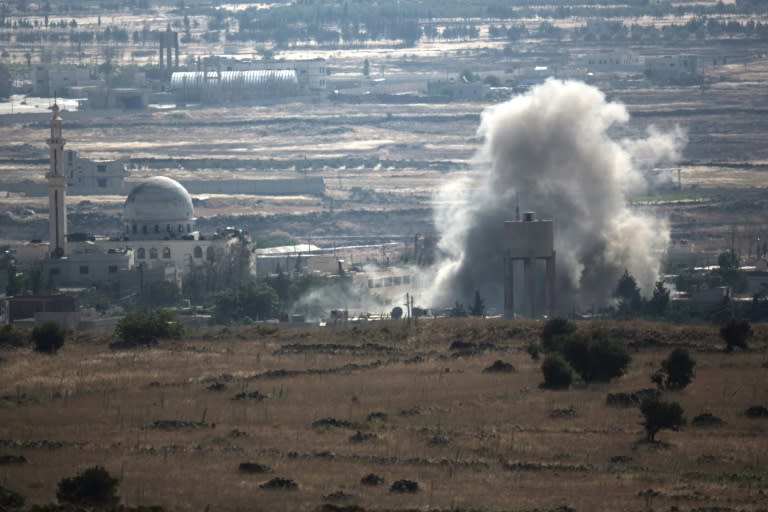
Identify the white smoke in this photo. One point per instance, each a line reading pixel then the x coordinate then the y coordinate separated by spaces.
pixel 551 148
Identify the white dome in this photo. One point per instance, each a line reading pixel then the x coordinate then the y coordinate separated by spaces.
pixel 158 208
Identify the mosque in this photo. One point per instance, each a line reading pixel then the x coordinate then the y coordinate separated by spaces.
pixel 159 238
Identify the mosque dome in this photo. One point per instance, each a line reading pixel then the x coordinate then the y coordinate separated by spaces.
pixel 158 208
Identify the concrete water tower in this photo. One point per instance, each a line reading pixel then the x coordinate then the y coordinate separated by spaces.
pixel 525 242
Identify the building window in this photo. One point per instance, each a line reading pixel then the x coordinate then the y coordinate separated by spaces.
pixel 83 269
pixel 102 182
pixel 70 156
pixel 168 228
pixel 144 229
pixel 198 252
pixel 153 253
pixel 189 228
pixel 134 229
pixel 157 228
pixel 113 269
pixel 209 254
pixel 141 254
pixel 127 228
pixel 181 228
pixel 101 168
pixel 166 253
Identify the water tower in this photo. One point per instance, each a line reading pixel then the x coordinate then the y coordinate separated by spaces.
pixel 526 242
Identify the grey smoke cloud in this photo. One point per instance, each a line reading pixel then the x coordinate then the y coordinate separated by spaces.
pixel 551 148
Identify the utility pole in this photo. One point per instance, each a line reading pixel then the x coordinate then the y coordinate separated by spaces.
pixel 408 304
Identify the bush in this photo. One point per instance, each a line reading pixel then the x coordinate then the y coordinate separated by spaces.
pixel 553 331
pixel 10 500
pixel 660 415
pixel 10 337
pixel 94 487
pixel 595 358
pixel 557 373
pixel 138 329
pixel 736 333
pixel 48 338
pixel 676 371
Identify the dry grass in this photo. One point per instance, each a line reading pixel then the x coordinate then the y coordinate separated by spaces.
pixel 97 406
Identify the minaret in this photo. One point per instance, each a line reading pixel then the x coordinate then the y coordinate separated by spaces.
pixel 57 190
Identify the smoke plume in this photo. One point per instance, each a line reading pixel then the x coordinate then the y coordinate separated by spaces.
pixel 551 148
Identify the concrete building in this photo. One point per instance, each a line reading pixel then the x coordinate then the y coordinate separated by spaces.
pixel 680 69
pixel 612 61
pixel 525 243
pixel 458 90
pixel 94 177
pixel 58 81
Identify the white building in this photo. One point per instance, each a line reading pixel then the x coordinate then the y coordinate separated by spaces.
pixel 612 61
pixel 94 177
pixel 159 238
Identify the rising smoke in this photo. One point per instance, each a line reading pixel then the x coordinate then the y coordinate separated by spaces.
pixel 551 148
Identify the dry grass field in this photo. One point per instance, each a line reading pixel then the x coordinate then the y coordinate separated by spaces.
pixel 416 410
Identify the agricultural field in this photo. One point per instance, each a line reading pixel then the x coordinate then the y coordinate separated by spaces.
pixel 327 407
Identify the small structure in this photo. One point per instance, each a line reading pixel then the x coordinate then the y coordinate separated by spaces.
pixel 527 241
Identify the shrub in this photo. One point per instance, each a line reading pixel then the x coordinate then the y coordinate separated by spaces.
pixel 48 338
pixel 94 487
pixel 553 330
pixel 595 358
pixel 10 500
pixel 676 371
pixel 138 329
pixel 736 333
pixel 557 373
pixel 660 415
pixel 10 337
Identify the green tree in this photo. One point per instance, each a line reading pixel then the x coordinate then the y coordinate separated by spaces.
pixel 596 357
pixel 6 82
pixel 13 286
pixel 140 328
pixel 48 338
pixel 557 373
pixel 478 305
pixel 736 333
pixel 553 332
pixel 728 261
pixel 677 370
pixel 468 76
pixel 160 294
pixel 728 273
pixel 12 337
pixel 659 415
pixel 457 310
pixel 659 303
pixel 94 487
pixel 628 294
pixel 254 300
